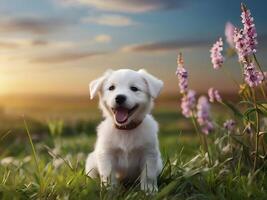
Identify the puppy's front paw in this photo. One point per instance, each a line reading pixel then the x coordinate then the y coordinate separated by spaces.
pixel 149 187
pixel 108 182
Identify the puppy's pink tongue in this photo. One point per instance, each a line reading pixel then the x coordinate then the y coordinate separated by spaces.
pixel 121 115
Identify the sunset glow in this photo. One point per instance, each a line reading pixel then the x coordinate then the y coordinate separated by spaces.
pixel 58 47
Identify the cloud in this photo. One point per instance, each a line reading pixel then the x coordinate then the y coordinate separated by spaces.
pixel 8 45
pixel 14 43
pixel 39 42
pixel 109 20
pixel 127 6
pixel 32 25
pixel 171 45
pixel 103 38
pixel 166 45
pixel 65 57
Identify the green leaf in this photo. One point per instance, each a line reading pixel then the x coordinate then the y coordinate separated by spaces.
pixel 246 102
pixel 5 135
pixel 233 109
pixel 167 190
pixel 263 109
pixel 249 111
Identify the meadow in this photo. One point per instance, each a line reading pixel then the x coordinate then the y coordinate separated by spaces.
pixel 49 162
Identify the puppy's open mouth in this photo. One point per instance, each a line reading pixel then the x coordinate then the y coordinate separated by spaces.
pixel 122 114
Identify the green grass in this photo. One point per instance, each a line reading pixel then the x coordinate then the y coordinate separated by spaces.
pixel 59 173
pixel 63 176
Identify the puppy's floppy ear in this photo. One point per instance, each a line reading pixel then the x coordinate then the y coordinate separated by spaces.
pixel 154 85
pixel 96 85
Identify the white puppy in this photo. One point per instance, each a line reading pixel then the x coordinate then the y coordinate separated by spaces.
pixel 127 145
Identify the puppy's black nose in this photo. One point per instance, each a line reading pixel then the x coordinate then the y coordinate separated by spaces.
pixel 120 99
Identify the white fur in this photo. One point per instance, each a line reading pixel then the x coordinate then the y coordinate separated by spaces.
pixel 126 154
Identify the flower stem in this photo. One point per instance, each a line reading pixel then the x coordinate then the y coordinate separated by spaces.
pixel 204 140
pixel 263 146
pixel 257 131
pixel 197 130
pixel 207 148
pixel 263 92
pixel 230 143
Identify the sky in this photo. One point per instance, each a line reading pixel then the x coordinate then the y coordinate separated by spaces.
pixel 58 46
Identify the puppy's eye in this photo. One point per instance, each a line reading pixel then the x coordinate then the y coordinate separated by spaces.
pixel 134 89
pixel 111 88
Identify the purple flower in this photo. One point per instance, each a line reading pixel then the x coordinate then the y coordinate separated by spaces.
pixel 182 74
pixel 252 76
pixel 203 116
pixel 229 34
pixel 229 125
pixel 214 95
pixel 245 39
pixel 241 44
pixel 208 127
pixel 216 54
pixel 249 28
pixel 188 103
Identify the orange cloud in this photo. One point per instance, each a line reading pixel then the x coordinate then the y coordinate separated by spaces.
pixel 103 38
pixel 8 45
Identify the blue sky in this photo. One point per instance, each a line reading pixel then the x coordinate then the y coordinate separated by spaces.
pixel 59 46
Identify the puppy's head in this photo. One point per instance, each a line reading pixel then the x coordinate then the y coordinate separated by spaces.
pixel 126 95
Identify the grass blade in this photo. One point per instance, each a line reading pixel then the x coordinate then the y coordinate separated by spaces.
pixel 34 155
